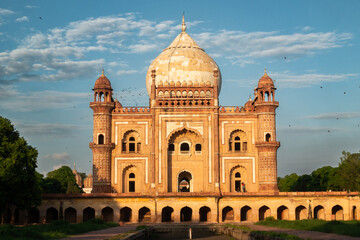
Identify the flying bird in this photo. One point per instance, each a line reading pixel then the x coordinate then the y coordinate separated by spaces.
pixel 40 18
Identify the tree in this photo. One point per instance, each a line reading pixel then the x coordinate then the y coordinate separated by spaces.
pixel 66 179
pixel 349 171
pixel 287 183
pixel 19 184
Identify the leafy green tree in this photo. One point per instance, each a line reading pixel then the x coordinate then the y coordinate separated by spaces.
pixel 303 183
pixel 286 184
pixel 349 171
pixel 19 184
pixel 66 178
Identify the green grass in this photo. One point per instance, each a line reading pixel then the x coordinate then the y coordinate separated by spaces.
pixel 54 230
pixel 263 234
pixel 350 228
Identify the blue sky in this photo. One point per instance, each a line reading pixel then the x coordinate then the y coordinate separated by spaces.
pixel 51 53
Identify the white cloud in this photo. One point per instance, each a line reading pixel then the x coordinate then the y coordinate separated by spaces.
pixel 39 101
pixel 126 72
pixel 287 79
pixel 6 11
pixel 306 130
pixel 141 48
pixel 58 157
pixel 31 6
pixel 246 46
pixel 22 19
pixel 338 115
pixel 46 129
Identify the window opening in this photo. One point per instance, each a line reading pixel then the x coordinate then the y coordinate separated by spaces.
pixel 184 147
pixel 268 137
pixel 101 139
pixel 171 147
pixel 198 147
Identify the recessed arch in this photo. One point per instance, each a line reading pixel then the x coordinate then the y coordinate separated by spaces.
pixel 283 213
pixel 167 214
pixel 185 214
pixel 228 214
pixel 52 214
pixel 107 214
pixel 88 214
pixel 205 214
pixel 125 214
pixel 337 213
pixel 264 212
pixel 70 215
pixel 246 213
pixel 144 214
pixel 300 213
pixel 185 181
pixel 319 212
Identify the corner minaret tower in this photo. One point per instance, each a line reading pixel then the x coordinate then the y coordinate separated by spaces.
pixel 266 139
pixel 101 146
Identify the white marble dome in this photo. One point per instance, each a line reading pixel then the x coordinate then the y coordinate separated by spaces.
pixel 185 62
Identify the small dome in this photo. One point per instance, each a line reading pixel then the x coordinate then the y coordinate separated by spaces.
pixel 265 81
pixel 102 82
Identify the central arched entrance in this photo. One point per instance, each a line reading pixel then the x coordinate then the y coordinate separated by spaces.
pixel 185 182
pixel 186 214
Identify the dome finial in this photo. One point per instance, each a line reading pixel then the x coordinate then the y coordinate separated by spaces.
pixel 265 74
pixel 102 72
pixel 183 26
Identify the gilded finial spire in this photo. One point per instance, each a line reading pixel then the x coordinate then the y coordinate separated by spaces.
pixel 183 26
pixel 102 72
pixel 265 74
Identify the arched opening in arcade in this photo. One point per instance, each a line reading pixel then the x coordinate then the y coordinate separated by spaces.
pixel 107 214
pixel 125 214
pixel 354 213
pixel 282 213
pixel 337 213
pixel 245 213
pixel 228 214
pixel 300 213
pixel 88 214
pixel 319 212
pixel 185 214
pixel 264 212
pixel 70 215
pixel 33 216
pixel 144 214
pixel 52 214
pixel 205 214
pixel 167 214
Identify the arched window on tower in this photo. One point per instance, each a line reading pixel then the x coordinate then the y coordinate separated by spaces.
pixel 198 148
pixel 132 182
pixel 184 148
pixel 237 146
pixel 101 139
pixel 101 97
pixel 237 182
pixel 171 147
pixel 268 137
pixel 238 141
pixel 131 142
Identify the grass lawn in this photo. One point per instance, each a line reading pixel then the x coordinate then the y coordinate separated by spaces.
pixel 54 230
pixel 350 228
